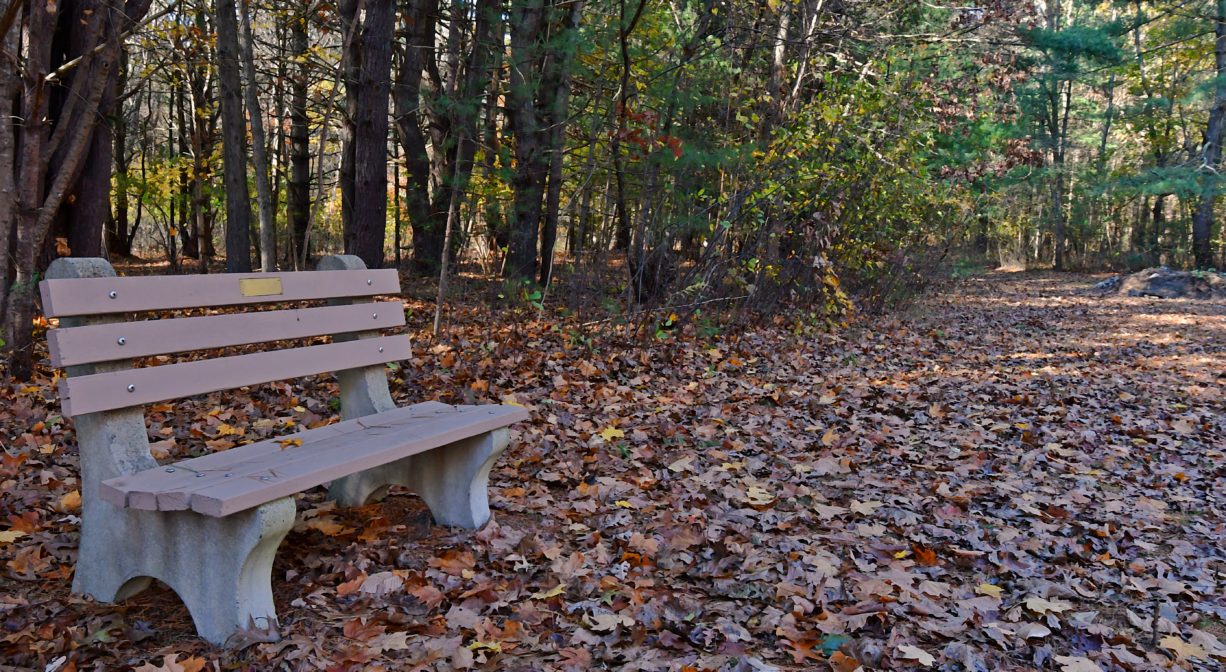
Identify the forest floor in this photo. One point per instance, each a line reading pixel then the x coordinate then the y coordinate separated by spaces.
pixel 1011 475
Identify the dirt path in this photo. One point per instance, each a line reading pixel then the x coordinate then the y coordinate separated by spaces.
pixel 1015 476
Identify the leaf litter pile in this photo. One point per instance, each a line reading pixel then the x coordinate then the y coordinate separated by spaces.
pixel 1016 475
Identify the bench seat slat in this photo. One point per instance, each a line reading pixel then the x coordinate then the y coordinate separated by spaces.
pixel 264 471
pixel 101 342
pixel 108 391
pixel 92 296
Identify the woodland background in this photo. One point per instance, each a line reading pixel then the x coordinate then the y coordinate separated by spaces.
pixel 659 212
pixel 741 152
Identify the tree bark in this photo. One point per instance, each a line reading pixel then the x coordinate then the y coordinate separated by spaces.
pixel 298 194
pixel 9 85
pixel 622 239
pixel 234 142
pixel 259 146
pixel 531 162
pixel 364 179
pixel 558 75
pixel 1202 219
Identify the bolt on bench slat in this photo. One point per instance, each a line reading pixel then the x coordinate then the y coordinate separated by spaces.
pixel 121 389
pixel 127 340
pixel 100 296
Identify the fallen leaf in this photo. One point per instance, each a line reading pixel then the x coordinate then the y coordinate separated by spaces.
pixel 1077 664
pixel 917 654
pixel 990 590
pixel 1183 649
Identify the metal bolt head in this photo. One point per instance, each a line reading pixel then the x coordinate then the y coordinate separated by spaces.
pixel 170 470
pixel 200 474
pixel 369 282
pixel 131 388
pixel 121 340
pixel 374 316
pixel 265 478
pixel 227 475
pixel 113 294
pixel 380 348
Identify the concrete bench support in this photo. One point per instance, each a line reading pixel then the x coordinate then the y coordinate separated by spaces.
pixel 220 567
pixel 453 480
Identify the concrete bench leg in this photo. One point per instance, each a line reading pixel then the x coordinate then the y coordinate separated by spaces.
pixel 453 480
pixel 220 567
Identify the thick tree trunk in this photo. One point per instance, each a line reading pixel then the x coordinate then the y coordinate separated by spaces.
pixel 9 83
pixel 426 221
pixel 367 87
pixel 234 142
pixel 44 184
pixel 298 194
pixel 531 162
pixel 259 146
pixel 563 47
pixel 1202 219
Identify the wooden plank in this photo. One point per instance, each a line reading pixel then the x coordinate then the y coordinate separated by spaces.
pixel 156 489
pixel 342 456
pixel 99 296
pixel 262 472
pixel 143 338
pixel 135 387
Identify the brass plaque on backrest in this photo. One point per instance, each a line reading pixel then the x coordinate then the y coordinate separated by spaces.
pixel 260 286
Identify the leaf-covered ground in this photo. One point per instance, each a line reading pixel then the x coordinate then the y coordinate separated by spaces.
pixel 1017 475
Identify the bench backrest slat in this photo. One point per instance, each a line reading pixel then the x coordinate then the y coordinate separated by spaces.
pixel 99 296
pixel 110 391
pixel 127 340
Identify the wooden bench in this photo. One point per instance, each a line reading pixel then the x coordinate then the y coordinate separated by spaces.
pixel 210 526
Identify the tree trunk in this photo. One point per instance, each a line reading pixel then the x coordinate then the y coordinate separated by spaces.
pixel 531 163
pixel 9 85
pixel 299 190
pixel 259 146
pixel 115 236
pixel 622 239
pixel 44 184
pixel 364 167
pixel 1202 219
pixel 562 47
pixel 427 219
pixel 234 142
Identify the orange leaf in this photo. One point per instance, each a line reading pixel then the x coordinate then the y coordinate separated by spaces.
pixel 925 557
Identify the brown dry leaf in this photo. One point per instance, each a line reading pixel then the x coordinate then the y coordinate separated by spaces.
pixel 1077 664
pixel 171 663
pixel 70 502
pixel 908 652
pixel 1183 649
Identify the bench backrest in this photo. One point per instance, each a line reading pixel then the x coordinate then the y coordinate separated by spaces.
pixel 99 306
